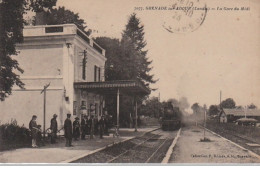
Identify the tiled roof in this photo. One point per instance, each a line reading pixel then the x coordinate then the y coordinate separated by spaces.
pixel 241 112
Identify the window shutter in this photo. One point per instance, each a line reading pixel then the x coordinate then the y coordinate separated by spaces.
pixel 95 73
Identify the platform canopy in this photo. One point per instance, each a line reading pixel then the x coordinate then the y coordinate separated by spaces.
pixel 129 87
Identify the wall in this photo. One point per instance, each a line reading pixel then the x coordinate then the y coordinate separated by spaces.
pixel 42 64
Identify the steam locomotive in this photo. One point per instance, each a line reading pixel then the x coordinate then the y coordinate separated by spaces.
pixel 171 119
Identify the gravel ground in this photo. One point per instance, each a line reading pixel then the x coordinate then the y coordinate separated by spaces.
pixel 189 149
pixel 237 138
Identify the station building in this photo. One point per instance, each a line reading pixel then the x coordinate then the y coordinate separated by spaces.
pixel 71 64
pixel 232 115
pixel 58 55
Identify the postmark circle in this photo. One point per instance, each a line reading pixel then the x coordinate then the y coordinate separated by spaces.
pixel 186 16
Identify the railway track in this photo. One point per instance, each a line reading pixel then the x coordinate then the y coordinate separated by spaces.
pixel 142 152
pixel 149 148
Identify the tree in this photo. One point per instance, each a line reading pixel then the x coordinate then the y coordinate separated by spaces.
pixel 113 66
pixel 64 16
pixel 126 60
pixel 213 110
pixel 134 32
pixel 252 106
pixel 151 108
pixel 11 25
pixel 228 103
pixel 195 108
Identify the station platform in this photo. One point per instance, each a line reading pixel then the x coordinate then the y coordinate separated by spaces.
pixel 58 153
pixel 190 149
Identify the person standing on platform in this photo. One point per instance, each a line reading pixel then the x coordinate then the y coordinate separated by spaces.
pixel 91 126
pixel 34 129
pixel 101 124
pixel 95 125
pixel 83 127
pixel 54 129
pixel 87 125
pixel 106 132
pixel 68 130
pixel 76 129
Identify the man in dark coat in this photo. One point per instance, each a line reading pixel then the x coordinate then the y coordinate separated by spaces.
pixel 54 129
pixel 76 129
pixel 68 130
pixel 106 132
pixel 83 127
pixel 101 124
pixel 88 125
pixel 91 126
pixel 95 125
pixel 34 130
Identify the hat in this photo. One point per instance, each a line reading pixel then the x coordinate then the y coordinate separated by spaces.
pixel 77 118
pixel 55 115
pixel 34 116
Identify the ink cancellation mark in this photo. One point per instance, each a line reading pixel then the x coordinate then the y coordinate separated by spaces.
pixel 187 16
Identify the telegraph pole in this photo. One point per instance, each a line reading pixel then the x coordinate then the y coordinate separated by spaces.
pixel 84 64
pixel 44 107
pixel 220 94
pixel 205 119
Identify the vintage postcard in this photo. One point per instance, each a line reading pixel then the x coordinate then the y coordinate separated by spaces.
pixel 147 82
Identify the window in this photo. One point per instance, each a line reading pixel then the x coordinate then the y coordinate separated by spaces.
pixel 96 74
pixel 99 74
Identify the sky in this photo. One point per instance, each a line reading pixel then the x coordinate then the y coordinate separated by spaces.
pixel 222 54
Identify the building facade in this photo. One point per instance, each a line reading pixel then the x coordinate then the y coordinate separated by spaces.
pixel 232 115
pixel 59 55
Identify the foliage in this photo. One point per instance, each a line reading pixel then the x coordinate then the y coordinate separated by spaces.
pixel 14 136
pixel 11 25
pixel 64 16
pixel 126 60
pixel 195 108
pixel 228 103
pixel 133 39
pixel 213 110
pixel 152 108
pixel 41 5
pixel 113 67
pixel 252 106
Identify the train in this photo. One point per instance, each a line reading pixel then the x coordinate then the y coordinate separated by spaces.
pixel 171 118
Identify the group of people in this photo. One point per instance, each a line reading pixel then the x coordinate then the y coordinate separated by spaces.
pixel 88 126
